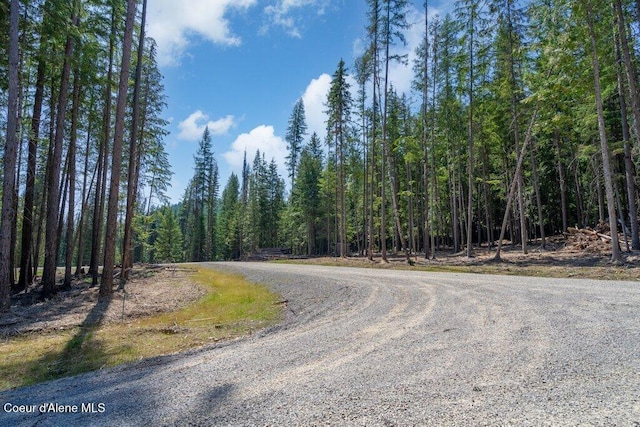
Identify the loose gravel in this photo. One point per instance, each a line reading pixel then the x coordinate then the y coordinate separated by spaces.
pixel 365 347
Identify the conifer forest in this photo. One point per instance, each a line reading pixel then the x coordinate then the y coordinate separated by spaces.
pixel 523 121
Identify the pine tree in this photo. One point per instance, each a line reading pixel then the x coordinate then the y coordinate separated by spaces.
pixel 228 221
pixel 199 203
pixel 106 287
pixel 52 240
pixel 134 157
pixel 472 17
pixel 339 105
pixel 296 131
pixel 307 190
pixel 168 244
pixel 394 22
pixel 616 257
pixel 10 158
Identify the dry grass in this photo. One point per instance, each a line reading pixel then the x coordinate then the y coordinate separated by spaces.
pixel 561 263
pixel 231 307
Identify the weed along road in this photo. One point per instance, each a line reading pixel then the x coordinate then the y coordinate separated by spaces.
pixel 380 347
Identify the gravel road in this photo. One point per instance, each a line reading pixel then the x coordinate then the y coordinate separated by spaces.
pixel 368 347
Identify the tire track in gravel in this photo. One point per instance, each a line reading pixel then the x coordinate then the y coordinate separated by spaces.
pixel 396 322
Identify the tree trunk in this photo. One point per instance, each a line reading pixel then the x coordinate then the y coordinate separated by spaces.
pixel 536 187
pixel 64 190
pixel 374 125
pixel 516 132
pixel 485 196
pixel 106 286
pixel 103 161
pixel 387 160
pixel 470 159
pixel 454 211
pixel 72 180
pixel 630 68
pixel 596 172
pixel 616 257
pixel 514 182
pixel 53 182
pixel 425 134
pixel 383 165
pixel 132 188
pixel 563 182
pixel 434 178
pixel 628 161
pixel 85 200
pixel 26 272
pixel 10 159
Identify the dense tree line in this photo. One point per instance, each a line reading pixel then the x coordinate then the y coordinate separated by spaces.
pixel 83 150
pixel 526 124
pixel 523 120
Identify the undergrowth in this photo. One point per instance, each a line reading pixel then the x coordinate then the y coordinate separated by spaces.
pixel 232 307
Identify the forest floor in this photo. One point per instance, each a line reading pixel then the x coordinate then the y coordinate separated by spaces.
pixel 151 291
pixel 571 257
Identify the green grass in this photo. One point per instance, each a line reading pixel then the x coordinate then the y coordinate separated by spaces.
pixel 232 307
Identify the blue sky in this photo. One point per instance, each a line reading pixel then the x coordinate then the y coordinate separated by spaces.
pixel 239 66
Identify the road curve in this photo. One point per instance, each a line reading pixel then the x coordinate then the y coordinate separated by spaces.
pixel 368 347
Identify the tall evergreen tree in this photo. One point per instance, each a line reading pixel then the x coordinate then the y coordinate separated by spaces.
pixel 394 23
pixel 106 286
pixel 134 146
pixel 10 158
pixel 294 137
pixel 472 18
pixel 168 245
pixel 228 225
pixel 339 103
pixel 53 179
pixel 200 203
pixel 604 145
pixel 307 190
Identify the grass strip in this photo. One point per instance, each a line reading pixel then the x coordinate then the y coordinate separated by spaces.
pixel 232 307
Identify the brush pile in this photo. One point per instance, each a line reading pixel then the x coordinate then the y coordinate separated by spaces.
pixel 589 240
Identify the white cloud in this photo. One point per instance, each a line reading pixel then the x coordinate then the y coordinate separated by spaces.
pixel 192 127
pixel 314 99
pixel 280 14
pixel 171 23
pixel 261 138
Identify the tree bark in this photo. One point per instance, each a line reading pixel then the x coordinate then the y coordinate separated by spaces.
pixel 53 182
pixel 26 272
pixel 103 161
pixel 563 182
pixel 10 159
pixel 470 179
pixel 425 133
pixel 83 209
pixel 626 138
pixel 106 286
pixel 616 257
pixel 630 68
pixel 72 180
pixel 514 182
pixel 516 133
pixel 132 184
pixel 536 187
